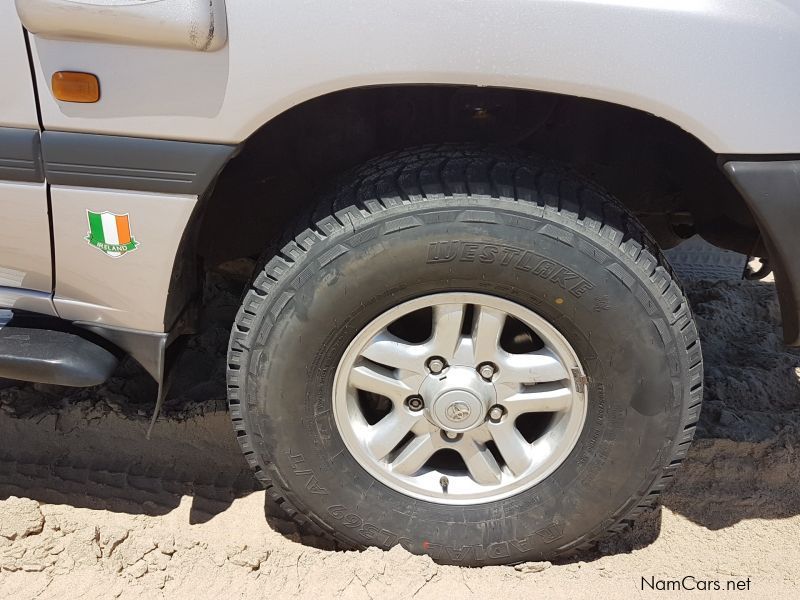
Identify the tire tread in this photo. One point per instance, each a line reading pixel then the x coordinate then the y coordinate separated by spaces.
pixel 418 175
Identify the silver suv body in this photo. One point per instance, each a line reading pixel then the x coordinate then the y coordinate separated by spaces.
pixel 141 142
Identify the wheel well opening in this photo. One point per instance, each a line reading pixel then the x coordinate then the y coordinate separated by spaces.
pixel 665 176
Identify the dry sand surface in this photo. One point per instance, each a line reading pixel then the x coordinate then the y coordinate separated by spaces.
pixel 90 509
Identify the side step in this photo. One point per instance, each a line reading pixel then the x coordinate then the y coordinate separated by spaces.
pixel 46 350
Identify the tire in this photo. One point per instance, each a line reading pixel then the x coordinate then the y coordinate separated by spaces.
pixel 376 243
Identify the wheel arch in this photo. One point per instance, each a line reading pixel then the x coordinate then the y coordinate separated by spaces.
pixel 282 165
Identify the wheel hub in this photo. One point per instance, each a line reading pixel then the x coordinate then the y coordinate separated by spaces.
pixel 457 399
pixel 438 419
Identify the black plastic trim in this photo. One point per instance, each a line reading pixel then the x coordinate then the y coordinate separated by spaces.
pixel 72 359
pixel 139 164
pixel 147 348
pixel 45 350
pixel 772 192
pixel 20 155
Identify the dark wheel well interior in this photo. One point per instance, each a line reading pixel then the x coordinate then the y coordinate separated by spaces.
pixel 663 174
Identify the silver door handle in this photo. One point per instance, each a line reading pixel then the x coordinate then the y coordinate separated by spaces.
pixel 188 24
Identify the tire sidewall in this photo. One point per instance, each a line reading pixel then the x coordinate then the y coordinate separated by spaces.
pixel 512 250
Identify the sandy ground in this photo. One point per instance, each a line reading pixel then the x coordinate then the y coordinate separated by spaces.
pixel 90 509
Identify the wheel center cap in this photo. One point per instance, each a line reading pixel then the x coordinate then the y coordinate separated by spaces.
pixel 458 410
pixel 457 400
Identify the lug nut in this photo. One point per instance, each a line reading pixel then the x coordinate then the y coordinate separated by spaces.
pixel 487 371
pixel 496 413
pixel 451 435
pixel 415 403
pixel 436 365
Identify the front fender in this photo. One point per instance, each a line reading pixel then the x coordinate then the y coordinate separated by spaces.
pixel 723 70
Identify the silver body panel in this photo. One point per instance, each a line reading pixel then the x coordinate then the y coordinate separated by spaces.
pixel 17 100
pixel 27 300
pixel 25 253
pixel 129 291
pixel 25 260
pixel 723 70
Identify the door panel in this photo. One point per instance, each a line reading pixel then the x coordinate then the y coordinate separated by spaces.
pixel 25 254
pixel 25 260
pixel 17 103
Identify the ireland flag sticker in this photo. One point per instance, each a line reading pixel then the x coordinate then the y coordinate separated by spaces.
pixel 110 233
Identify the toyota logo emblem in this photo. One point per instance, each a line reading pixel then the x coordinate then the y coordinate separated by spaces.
pixel 458 411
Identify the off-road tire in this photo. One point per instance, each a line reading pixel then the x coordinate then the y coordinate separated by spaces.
pixel 366 249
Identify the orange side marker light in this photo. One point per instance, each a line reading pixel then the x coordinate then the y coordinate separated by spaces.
pixel 72 86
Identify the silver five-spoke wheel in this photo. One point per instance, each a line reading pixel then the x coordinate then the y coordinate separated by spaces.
pixel 459 398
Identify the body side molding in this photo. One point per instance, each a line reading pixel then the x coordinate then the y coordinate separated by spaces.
pixel 20 155
pixel 140 164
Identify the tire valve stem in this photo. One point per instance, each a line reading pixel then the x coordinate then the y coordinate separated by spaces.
pixel 444 482
pixel 580 380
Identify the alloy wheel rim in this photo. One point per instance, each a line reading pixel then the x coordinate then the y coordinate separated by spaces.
pixel 459 398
